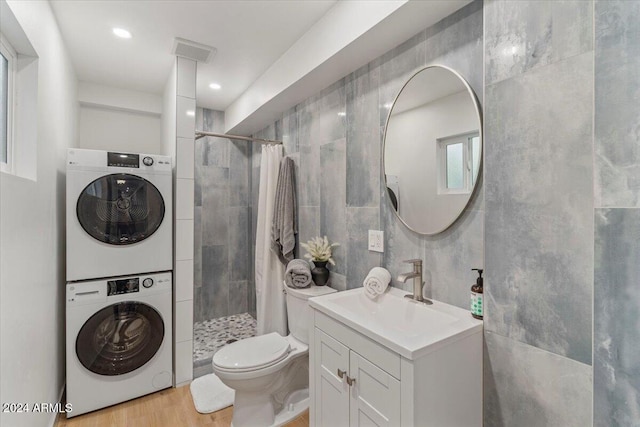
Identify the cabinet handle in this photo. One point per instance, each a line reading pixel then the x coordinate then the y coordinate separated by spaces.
pixel 341 374
pixel 351 381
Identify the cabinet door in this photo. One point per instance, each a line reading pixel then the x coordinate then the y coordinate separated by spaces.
pixel 331 391
pixel 375 395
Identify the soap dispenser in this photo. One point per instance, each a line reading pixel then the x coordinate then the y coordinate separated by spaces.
pixel 477 305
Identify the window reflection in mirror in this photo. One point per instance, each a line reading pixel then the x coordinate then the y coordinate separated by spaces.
pixel 432 150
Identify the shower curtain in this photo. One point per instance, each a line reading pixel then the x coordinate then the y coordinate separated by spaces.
pixel 270 301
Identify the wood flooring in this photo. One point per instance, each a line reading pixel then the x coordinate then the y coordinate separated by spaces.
pixel 172 407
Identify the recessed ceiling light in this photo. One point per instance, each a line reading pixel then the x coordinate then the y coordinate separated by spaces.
pixel 215 86
pixel 122 33
pixel 342 114
pixel 191 113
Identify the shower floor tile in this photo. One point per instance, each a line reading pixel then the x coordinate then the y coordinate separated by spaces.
pixel 211 335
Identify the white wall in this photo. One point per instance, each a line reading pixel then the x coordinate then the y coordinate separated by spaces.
pixel 32 233
pixel 169 113
pixel 117 130
pixel 413 158
pixel 115 119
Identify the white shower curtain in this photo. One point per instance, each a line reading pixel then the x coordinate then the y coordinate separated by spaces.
pixel 270 302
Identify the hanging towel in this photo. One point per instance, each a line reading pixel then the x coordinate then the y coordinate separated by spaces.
pixel 284 227
pixel 298 274
pixel 376 282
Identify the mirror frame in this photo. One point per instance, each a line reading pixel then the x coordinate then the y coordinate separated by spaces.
pixel 478 110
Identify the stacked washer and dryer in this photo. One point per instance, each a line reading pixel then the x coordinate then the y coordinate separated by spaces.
pixel 119 281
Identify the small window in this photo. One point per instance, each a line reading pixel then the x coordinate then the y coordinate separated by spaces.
pixel 7 76
pixel 458 163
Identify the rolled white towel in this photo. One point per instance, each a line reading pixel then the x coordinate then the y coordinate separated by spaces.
pixel 376 282
pixel 297 274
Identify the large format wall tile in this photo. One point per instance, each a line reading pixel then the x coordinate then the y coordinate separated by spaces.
pixel 215 205
pixel 523 35
pixel 617 313
pixel 333 210
pixel 332 114
pixel 526 386
pixel 539 199
pixel 308 225
pixel 239 164
pixel 363 134
pixel 449 258
pixel 239 250
pixel 617 102
pixel 214 292
pixel 361 259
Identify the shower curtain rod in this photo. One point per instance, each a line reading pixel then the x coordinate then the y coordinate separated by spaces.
pixel 202 134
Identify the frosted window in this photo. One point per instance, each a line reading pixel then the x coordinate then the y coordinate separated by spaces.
pixel 455 162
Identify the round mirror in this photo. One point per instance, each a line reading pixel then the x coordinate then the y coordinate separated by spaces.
pixel 432 149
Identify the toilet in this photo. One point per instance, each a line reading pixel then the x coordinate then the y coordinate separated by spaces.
pixel 270 373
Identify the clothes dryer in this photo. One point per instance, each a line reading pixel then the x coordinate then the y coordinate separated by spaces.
pixel 118 340
pixel 119 214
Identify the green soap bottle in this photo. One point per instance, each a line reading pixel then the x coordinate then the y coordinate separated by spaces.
pixel 477 303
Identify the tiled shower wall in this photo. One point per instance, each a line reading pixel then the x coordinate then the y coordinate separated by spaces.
pixel 222 256
pixel 335 139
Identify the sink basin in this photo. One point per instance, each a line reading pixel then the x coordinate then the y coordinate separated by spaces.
pixel 406 327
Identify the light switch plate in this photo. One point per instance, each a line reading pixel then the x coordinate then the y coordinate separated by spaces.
pixel 376 240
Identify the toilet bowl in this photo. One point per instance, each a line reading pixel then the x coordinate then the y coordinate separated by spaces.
pixel 270 373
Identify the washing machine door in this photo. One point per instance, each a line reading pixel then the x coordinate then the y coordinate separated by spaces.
pixel 120 209
pixel 120 338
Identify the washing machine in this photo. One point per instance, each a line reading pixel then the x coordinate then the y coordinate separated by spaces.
pixel 119 340
pixel 119 214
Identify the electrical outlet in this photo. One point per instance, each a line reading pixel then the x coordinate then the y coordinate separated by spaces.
pixel 376 240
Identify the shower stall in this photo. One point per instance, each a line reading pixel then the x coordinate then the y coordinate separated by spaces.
pixel 224 294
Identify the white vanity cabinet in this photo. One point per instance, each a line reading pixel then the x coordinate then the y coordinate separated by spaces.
pixel 359 381
pixel 350 390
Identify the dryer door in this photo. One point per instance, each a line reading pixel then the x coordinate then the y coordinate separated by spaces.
pixel 120 338
pixel 120 209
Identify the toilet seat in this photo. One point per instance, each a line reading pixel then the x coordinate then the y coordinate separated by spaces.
pixel 252 354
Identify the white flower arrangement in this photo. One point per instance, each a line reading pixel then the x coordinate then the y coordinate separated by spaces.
pixel 319 249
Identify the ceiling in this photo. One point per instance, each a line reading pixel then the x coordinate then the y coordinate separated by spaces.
pixel 249 36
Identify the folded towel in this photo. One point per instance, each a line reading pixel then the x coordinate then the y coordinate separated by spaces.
pixel 297 274
pixel 283 226
pixel 376 282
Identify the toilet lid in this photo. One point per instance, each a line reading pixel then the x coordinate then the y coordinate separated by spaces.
pixel 252 353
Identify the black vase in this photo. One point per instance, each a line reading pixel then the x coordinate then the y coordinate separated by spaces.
pixel 320 273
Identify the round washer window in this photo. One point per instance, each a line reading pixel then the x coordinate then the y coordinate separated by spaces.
pixel 120 209
pixel 120 338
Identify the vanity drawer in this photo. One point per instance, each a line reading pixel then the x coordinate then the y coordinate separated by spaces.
pixel 379 355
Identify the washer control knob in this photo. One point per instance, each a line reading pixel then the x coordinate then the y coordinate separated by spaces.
pixel 148 282
pixel 148 161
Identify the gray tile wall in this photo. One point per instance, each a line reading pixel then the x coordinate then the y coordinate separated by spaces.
pixel 616 365
pixel 539 212
pixel 335 139
pixel 222 264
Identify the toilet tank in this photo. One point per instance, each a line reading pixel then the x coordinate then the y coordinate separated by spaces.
pixel 298 311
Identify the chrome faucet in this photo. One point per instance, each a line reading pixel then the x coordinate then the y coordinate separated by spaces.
pixel 416 275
